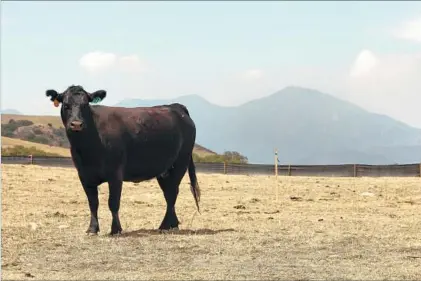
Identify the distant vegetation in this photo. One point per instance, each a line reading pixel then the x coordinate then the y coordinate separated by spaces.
pixel 232 157
pixel 38 133
pixel 8 129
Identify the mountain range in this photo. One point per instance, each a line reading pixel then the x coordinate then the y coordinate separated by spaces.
pixel 10 111
pixel 305 126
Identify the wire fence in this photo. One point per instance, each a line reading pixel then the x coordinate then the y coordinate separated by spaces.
pixel 346 170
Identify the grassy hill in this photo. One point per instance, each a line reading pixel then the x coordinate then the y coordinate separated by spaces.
pixel 55 121
pixel 7 142
pixel 47 133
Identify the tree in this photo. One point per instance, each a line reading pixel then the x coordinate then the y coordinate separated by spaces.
pixel 235 157
pixel 231 157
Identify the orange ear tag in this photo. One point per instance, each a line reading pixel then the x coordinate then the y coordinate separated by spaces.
pixel 56 103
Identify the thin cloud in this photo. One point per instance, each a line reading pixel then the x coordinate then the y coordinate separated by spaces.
pixel 100 62
pixel 409 30
pixel 254 73
pixel 381 82
pixel 131 63
pixel 365 62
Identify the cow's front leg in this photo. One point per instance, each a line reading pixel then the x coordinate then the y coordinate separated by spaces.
pixel 92 194
pixel 115 187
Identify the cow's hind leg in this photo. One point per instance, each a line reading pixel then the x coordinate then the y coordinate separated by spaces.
pixel 169 183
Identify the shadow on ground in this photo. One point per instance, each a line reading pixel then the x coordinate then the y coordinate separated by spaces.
pixel 147 232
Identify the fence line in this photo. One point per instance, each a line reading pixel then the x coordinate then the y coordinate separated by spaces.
pixel 345 170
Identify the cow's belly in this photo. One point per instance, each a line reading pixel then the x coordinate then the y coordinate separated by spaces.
pixel 150 159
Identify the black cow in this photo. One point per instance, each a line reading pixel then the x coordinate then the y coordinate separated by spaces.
pixel 116 144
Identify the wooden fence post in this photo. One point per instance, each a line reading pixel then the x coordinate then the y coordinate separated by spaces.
pixel 31 159
pixel 276 174
pixel 355 170
pixel 225 167
pixel 289 170
pixel 276 162
pixel 419 166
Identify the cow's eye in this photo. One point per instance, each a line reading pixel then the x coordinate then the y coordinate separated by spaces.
pixel 66 106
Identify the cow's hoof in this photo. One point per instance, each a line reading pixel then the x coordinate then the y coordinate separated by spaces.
pixel 167 230
pixel 92 230
pixel 114 232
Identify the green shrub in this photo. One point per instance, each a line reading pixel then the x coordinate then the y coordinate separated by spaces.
pixel 6 132
pixel 8 129
pixel 231 157
pixel 37 131
pixel 30 137
pixel 41 139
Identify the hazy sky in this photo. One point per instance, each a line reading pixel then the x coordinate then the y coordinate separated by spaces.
pixel 227 52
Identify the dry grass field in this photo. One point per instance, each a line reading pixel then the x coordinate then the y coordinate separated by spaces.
pixel 321 228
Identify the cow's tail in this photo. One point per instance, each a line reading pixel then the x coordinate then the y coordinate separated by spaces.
pixel 194 185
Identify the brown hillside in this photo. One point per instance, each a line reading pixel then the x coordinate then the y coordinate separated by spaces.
pixel 49 130
pixel 55 121
pixel 10 142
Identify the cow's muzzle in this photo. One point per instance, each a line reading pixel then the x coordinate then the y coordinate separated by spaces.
pixel 76 125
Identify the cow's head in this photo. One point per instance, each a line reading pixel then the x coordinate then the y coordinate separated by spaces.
pixel 75 110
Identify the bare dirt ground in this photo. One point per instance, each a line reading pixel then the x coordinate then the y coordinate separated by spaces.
pixel 321 228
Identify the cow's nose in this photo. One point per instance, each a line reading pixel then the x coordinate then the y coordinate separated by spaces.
pixel 76 125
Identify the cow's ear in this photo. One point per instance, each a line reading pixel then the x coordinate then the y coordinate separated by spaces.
pixel 97 96
pixel 55 97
